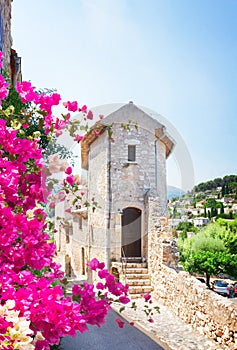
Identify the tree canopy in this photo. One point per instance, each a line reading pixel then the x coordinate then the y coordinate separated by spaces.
pixel 227 182
pixel 211 251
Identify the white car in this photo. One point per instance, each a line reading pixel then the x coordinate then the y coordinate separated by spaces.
pixel 221 287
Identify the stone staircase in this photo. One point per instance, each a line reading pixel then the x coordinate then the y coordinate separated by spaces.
pixel 137 277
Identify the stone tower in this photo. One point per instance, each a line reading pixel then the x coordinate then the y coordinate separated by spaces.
pixel 123 162
pixel 121 175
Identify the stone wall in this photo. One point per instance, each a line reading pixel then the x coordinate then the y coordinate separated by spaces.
pixel 5 8
pixel 192 301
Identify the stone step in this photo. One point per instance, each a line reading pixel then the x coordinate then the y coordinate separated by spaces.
pixel 136 270
pixel 134 265
pixel 137 276
pixel 136 282
pixel 140 289
pixel 135 296
pixel 133 259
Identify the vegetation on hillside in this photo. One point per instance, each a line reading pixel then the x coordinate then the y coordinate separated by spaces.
pixel 185 227
pixel 210 251
pixel 228 185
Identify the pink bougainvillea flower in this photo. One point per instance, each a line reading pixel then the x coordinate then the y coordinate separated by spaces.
pixel 101 116
pixel 26 92
pixel 95 264
pixel 71 106
pixel 25 126
pixel 150 320
pixel 100 286
pixel 68 171
pixel 89 115
pixel 120 322
pixel 58 133
pixel 70 180
pixel 124 300
pixel 96 133
pixel 78 138
pixel 83 109
pixel 1 58
pixel 147 297
pixel 76 289
pixel 3 88
pixel 42 345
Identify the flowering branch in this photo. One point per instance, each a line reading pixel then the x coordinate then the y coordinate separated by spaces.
pixel 34 311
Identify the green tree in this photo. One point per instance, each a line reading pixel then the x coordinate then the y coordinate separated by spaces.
pixel 208 252
pixel 210 203
pixel 185 227
pixel 223 191
pixel 232 225
pixel 227 189
pixel 221 230
pixel 227 231
pixel 174 212
pixel 208 263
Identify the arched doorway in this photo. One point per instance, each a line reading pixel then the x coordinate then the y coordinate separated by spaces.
pixel 131 232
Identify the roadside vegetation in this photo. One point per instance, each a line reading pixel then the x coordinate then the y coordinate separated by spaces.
pixel 211 251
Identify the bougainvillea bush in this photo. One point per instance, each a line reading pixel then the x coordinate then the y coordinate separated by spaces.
pixel 34 312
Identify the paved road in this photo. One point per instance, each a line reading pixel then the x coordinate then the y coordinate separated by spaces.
pixel 111 337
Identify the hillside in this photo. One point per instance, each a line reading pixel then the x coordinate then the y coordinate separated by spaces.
pixel 228 184
pixel 174 192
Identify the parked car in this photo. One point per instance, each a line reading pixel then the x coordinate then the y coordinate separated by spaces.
pixel 235 290
pixel 221 287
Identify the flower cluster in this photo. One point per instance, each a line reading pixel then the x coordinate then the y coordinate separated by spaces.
pixel 95 301
pixel 34 313
pixel 15 331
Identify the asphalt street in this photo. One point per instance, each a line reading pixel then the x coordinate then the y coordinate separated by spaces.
pixel 111 337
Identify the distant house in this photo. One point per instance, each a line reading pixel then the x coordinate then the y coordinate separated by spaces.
pixel 172 223
pixel 214 196
pixel 234 208
pixel 227 200
pixel 200 204
pixel 200 221
pixel 195 211
pixel 190 234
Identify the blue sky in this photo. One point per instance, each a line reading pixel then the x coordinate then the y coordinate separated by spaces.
pixel 176 57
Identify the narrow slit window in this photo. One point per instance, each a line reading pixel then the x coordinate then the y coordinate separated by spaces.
pixel 131 153
pixel 80 223
pixel 67 235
